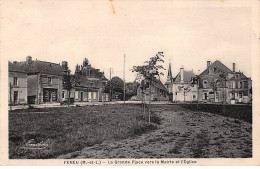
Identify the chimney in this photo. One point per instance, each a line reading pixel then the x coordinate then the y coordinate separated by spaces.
pixel 64 65
pixel 15 62
pixel 208 64
pixel 234 67
pixel 28 59
pixel 181 72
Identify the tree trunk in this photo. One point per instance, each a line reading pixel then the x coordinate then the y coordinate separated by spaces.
pixel 150 99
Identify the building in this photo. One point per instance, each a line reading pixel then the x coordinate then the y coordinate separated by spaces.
pixel 89 84
pixel 169 82
pixel 239 87
pixel 219 84
pixel 44 81
pixel 182 87
pixel 158 92
pixel 17 85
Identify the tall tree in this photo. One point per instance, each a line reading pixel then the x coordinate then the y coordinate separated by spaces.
pixel 67 83
pixel 149 71
pixel 116 84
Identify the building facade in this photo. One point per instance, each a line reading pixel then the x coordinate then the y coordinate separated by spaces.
pixel 17 86
pixel 219 84
pixel 44 81
pixel 89 84
pixel 158 92
pixel 183 89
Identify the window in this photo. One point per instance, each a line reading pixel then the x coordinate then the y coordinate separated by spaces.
pixel 217 95
pixel 63 94
pixel 15 81
pixel 241 85
pixel 49 80
pixel 205 83
pixel 205 96
pixel 240 95
pixel 233 85
pixel 76 95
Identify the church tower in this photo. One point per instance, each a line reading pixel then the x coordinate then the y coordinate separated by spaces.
pixel 169 81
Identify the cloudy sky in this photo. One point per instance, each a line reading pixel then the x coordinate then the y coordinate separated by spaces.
pixel 189 34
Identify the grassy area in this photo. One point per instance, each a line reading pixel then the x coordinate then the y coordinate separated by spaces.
pixel 241 112
pixel 71 129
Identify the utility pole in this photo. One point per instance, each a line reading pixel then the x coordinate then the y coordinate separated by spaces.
pixel 110 92
pixel 10 89
pixel 124 78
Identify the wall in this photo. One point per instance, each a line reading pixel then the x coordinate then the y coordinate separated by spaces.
pixel 21 87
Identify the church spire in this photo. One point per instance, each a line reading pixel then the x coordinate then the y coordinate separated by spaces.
pixel 170 71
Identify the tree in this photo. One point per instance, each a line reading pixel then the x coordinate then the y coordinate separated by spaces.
pixel 116 84
pixel 149 71
pixel 67 83
pixel 131 89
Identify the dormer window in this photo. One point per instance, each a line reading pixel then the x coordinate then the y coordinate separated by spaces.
pixel 205 83
pixel 236 76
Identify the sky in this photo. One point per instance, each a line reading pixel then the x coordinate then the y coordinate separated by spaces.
pixel 103 31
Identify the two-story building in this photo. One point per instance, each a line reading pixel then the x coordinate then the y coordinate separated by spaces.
pixel 89 83
pixel 219 84
pixel 44 81
pixel 239 87
pixel 17 86
pixel 183 89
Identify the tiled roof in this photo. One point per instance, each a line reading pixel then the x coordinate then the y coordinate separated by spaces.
pixel 217 64
pixel 241 76
pixel 45 68
pixel 187 75
pixel 158 84
pixel 37 66
pixel 82 81
pixel 15 67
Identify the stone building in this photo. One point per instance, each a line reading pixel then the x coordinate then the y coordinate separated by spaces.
pixel 89 83
pixel 17 85
pixel 182 87
pixel 219 84
pixel 44 81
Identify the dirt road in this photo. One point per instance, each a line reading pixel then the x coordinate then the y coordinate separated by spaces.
pixel 182 134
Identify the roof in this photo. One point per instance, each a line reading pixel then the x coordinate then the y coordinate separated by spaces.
pixel 217 64
pixel 45 68
pixel 187 75
pixel 37 66
pixel 82 81
pixel 158 84
pixel 15 67
pixel 170 71
pixel 241 76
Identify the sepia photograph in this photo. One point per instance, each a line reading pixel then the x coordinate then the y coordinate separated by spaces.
pixel 129 82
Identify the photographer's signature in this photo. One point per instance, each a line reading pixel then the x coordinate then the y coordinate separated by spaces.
pixel 32 144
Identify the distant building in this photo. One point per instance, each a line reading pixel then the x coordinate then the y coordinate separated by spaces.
pixel 158 92
pixel 182 87
pixel 218 84
pixel 17 86
pixel 239 87
pixel 169 82
pixel 89 84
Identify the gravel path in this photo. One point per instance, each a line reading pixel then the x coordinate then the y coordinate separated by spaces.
pixel 182 134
